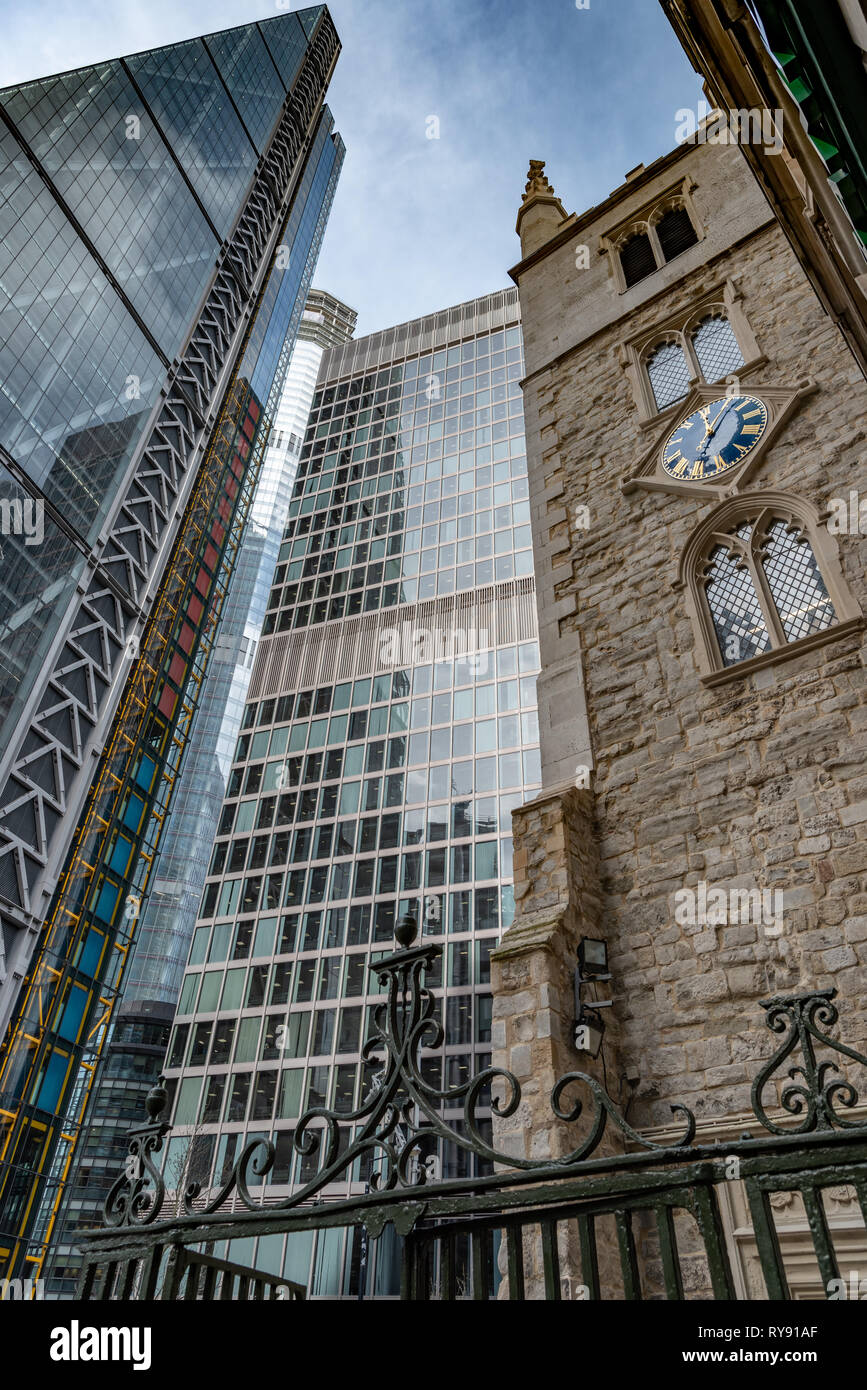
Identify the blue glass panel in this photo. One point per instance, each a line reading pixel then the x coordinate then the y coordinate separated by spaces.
pixel 145 772
pixel 133 812
pixel 191 104
pixel 89 958
pixel 79 377
pixel 248 71
pixel 73 1013
pixel 104 155
pixel 287 42
pixel 107 901
pixel 52 1082
pixel 120 855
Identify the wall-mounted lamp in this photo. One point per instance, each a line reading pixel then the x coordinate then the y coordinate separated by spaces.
pixel 592 966
pixel 593 958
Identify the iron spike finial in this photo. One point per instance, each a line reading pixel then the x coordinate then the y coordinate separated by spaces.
pixel 406 929
pixel 155 1099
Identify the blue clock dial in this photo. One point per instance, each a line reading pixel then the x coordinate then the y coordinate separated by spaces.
pixel 715 438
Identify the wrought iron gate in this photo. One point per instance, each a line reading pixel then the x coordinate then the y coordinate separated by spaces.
pixel 624 1224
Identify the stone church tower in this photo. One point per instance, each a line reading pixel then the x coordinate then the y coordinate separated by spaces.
pixel 696 441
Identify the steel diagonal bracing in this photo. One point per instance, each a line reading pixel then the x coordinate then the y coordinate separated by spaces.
pixel 82 687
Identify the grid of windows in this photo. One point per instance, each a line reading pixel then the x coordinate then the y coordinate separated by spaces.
pixel 314 867
pixel 352 803
pixel 412 485
pixel 185 93
pixel 794 591
pixel 252 78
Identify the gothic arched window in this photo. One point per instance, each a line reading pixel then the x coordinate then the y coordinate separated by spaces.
pixel 675 232
pixel 716 348
pixel 637 259
pixel 762 574
pixel 668 374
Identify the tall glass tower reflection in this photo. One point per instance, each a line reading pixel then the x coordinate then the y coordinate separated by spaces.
pixel 140 1030
pixel 389 731
pixel 161 216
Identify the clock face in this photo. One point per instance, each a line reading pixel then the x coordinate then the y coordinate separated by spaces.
pixel 715 438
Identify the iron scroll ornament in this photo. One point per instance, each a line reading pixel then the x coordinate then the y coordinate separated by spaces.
pixel 799 1017
pixel 136 1197
pixel 399 1114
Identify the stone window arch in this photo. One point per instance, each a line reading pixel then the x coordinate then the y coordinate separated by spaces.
pixel 637 256
pixel 653 236
pixel 674 229
pixel 715 343
pixel 715 349
pixel 763 582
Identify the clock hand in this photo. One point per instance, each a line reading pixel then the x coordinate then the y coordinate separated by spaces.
pixel 703 412
pixel 710 429
pixel 726 407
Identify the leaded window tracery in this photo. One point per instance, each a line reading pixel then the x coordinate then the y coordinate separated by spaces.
pixel 716 347
pixel 668 373
pixel 761 586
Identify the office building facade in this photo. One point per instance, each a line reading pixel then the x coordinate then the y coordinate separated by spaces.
pixel 163 216
pixel 390 730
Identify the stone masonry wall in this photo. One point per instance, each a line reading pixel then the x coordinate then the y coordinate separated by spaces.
pixel 758 783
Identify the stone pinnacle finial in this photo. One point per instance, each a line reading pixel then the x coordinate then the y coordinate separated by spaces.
pixel 537 182
pixel 541 211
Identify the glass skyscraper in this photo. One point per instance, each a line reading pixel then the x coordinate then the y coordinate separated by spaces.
pixel 161 216
pixel 140 1029
pixel 389 731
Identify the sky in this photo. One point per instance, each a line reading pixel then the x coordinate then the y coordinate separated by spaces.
pixel 441 104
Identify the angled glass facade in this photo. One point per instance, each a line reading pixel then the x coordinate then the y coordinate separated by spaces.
pixel 140 1032
pixel 154 270
pixel 390 729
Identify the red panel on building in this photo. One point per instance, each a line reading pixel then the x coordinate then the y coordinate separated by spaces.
pixel 177 669
pixel 210 558
pixel 186 638
pixel 203 583
pixel 195 608
pixel 168 700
